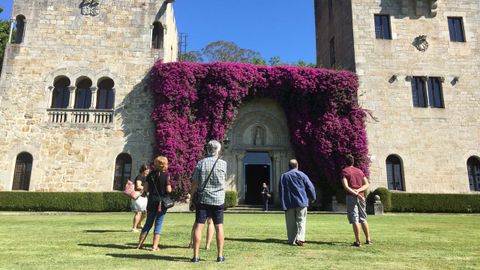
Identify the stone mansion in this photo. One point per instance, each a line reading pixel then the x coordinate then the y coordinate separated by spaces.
pixel 74 93
pixel 418 64
pixel 75 101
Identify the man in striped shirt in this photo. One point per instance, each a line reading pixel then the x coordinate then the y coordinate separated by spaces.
pixel 209 180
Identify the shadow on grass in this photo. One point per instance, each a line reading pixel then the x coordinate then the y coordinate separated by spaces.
pixel 149 257
pixel 108 246
pixel 104 231
pixel 279 241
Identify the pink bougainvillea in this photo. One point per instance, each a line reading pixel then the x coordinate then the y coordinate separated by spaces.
pixel 197 102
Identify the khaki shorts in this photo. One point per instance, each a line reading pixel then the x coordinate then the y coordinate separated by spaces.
pixel 356 210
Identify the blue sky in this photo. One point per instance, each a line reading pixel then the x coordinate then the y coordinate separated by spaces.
pixel 282 28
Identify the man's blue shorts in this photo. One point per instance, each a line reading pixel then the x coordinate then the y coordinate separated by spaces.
pixel 204 211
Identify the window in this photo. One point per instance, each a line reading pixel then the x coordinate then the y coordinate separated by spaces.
pixel 23 171
pixel 473 167
pixel 123 171
pixel 435 96
pixel 418 92
pixel 157 36
pixel 332 53
pixel 83 96
pixel 435 93
pixel 382 27
pixel 455 27
pixel 105 94
pixel 394 173
pixel 61 93
pixel 18 29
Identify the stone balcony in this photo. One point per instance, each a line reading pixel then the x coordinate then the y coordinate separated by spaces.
pixel 80 116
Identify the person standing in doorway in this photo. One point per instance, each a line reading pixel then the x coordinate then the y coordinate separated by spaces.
pixel 355 183
pixel 295 190
pixel 265 196
pixel 209 180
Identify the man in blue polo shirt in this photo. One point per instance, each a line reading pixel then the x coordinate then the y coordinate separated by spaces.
pixel 295 190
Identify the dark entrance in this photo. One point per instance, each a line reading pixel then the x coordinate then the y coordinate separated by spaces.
pixel 23 171
pixel 257 171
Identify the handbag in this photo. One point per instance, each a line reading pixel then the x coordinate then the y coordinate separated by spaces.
pixel 166 200
pixel 130 191
pixel 196 198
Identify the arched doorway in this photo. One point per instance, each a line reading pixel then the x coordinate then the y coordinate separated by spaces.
pixel 23 171
pixel 258 169
pixel 259 149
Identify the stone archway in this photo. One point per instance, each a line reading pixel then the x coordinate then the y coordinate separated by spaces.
pixel 261 128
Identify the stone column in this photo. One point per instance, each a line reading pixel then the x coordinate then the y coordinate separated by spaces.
pixel 151 35
pixel 12 21
pixel 114 92
pixel 72 96
pixel 93 103
pixel 50 96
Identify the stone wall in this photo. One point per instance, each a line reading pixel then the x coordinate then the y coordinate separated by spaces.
pixel 61 41
pixel 433 143
pixel 336 24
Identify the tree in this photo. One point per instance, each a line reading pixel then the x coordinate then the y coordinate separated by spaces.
pixel 191 56
pixel 226 51
pixel 4 31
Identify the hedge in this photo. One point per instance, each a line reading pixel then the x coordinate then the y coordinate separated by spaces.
pixel 428 203
pixel 77 201
pixel 64 201
pixel 231 199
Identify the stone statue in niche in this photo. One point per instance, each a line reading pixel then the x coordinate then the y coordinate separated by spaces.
pixel 89 7
pixel 258 136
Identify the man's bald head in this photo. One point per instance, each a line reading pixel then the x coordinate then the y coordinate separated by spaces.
pixel 293 164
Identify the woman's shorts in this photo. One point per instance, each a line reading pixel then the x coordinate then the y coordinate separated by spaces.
pixel 140 204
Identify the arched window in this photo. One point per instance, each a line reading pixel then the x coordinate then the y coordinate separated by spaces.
pixel 61 93
pixel 105 94
pixel 394 173
pixel 157 36
pixel 123 171
pixel 473 166
pixel 18 29
pixel 23 171
pixel 83 96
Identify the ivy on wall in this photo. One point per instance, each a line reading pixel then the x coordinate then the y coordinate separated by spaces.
pixel 195 103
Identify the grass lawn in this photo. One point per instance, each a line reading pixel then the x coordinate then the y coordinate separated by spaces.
pixel 253 241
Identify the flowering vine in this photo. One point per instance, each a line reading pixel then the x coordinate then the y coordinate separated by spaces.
pixel 195 103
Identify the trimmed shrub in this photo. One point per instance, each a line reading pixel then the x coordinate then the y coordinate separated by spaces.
pixel 64 201
pixel 231 199
pixel 385 197
pixel 435 203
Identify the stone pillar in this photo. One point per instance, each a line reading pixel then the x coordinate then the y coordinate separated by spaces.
pixel 50 96
pixel 72 97
pixel 151 35
pixel 378 206
pixel 12 21
pixel 93 103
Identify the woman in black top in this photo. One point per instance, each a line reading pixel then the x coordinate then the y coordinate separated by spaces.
pixel 157 185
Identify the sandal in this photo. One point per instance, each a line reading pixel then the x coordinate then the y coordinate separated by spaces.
pixel 356 244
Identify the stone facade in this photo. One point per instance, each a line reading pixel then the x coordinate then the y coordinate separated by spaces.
pixel 260 127
pixel 81 39
pixel 433 144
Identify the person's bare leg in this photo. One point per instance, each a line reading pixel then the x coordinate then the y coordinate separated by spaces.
pixel 142 218
pixel 197 238
pixel 220 239
pixel 136 220
pixel 356 232
pixel 366 231
pixel 210 230
pixel 141 240
pixel 156 240
pixel 192 235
